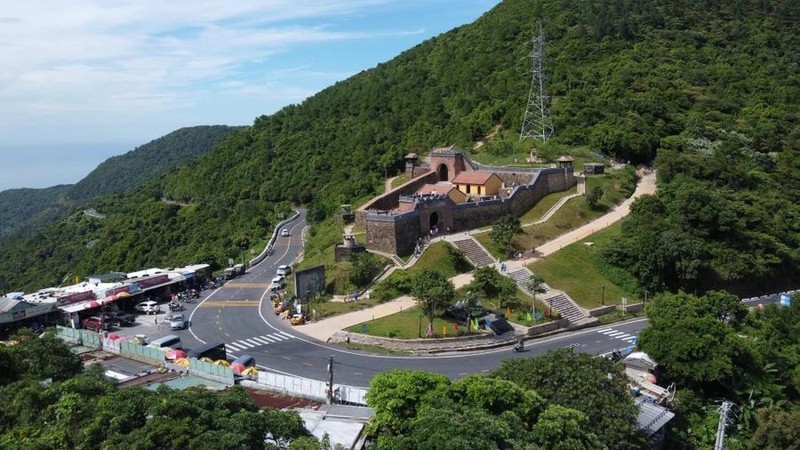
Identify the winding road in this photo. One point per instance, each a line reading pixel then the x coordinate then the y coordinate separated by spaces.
pixel 241 315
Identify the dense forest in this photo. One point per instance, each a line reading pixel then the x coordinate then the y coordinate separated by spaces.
pixel 626 78
pixel 27 210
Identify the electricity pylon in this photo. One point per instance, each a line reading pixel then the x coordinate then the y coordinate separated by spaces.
pixel 537 123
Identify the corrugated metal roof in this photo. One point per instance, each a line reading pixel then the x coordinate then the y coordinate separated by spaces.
pixel 651 416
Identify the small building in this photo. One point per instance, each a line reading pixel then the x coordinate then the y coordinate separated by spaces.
pixel 594 169
pixel 349 247
pixel 412 162
pixel 565 161
pixel 475 183
pixel 442 189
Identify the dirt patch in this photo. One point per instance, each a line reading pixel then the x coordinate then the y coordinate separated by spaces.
pixel 267 399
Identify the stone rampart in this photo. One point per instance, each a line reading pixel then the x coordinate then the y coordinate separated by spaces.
pixel 390 200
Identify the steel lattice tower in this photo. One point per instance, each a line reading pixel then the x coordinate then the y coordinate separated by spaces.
pixel 537 123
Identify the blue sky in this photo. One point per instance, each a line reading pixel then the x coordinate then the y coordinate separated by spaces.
pixel 83 80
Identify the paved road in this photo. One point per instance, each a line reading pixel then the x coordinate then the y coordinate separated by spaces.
pixel 240 314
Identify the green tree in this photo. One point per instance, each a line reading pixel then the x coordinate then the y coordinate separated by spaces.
pixel 596 387
pixel 365 267
pixel 487 280
pixel 777 430
pixel 561 428
pixel 396 397
pixel 46 356
pixel 594 196
pixel 433 292
pixel 535 284
pixel 503 232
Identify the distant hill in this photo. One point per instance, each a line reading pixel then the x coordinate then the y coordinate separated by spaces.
pixel 624 76
pixel 31 209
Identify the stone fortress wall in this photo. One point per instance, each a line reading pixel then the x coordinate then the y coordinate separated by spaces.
pixel 391 230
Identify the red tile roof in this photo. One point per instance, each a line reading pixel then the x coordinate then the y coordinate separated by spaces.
pixel 473 177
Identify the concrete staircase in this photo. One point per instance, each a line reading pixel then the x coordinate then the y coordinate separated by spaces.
pixel 566 307
pixel 474 252
pixel 556 299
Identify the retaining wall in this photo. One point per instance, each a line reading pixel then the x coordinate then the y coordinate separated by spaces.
pixel 425 345
pixel 547 327
pixel 599 311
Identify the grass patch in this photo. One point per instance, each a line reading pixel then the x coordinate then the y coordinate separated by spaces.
pixel 439 256
pixel 574 271
pixel 400 180
pixel 407 325
pixel 544 205
pixel 571 216
pixel 618 316
pixel 376 349
pixel 325 309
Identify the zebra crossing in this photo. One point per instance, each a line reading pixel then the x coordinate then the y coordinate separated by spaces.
pixel 257 341
pixel 616 334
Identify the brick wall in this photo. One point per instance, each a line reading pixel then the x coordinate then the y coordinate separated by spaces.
pixel 390 200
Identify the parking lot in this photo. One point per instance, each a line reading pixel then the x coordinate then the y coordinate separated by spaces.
pixel 155 326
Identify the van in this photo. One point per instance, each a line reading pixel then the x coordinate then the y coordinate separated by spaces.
pixel 241 363
pixel 211 350
pixel 169 340
pixel 284 270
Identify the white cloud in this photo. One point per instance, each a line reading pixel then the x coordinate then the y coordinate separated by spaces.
pixel 105 56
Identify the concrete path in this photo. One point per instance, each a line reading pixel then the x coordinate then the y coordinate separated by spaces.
pixel 324 329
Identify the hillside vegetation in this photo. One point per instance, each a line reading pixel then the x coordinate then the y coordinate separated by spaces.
pixel 27 210
pixel 624 76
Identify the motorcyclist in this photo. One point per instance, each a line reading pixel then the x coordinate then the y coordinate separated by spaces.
pixel 520 346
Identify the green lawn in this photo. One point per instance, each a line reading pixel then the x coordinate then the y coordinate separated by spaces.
pixel 407 325
pixel 328 308
pixel 572 215
pixel 400 180
pixel 573 270
pixel 437 257
pixel 544 205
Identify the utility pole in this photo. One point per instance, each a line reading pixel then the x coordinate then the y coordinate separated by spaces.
pixel 724 421
pixel 603 299
pixel 330 380
pixel 537 122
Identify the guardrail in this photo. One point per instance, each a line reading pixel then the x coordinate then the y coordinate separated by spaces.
pixel 311 389
pixel 268 248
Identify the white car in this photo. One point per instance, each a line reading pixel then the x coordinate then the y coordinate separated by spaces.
pixel 285 232
pixel 148 307
pixel 284 270
pixel 177 322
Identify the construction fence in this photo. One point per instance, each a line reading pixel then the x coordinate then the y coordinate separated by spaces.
pixel 311 389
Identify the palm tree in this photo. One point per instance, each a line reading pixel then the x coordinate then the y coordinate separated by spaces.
pixel 535 286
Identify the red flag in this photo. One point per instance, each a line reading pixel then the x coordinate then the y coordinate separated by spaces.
pixel 455 325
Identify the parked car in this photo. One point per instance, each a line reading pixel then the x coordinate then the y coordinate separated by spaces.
pixel 123 318
pixel 285 232
pixel 96 324
pixel 284 270
pixel 148 307
pixel 278 283
pixel 177 322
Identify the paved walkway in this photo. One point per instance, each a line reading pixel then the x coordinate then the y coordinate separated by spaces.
pixel 326 328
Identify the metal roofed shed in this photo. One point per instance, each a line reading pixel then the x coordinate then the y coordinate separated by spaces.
pixel 652 418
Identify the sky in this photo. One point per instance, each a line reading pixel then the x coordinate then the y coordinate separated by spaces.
pixel 83 80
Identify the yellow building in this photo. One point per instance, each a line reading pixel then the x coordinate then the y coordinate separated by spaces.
pixel 478 184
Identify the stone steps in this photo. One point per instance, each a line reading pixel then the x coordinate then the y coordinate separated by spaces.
pixel 521 277
pixel 474 252
pixel 566 307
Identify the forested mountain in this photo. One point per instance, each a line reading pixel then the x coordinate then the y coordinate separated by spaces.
pixel 624 75
pixel 31 209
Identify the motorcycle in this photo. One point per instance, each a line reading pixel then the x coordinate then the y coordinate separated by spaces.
pixel 175 306
pixel 519 346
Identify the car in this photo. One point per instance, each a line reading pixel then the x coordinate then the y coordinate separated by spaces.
pixel 279 279
pixel 284 269
pixel 96 324
pixel 148 307
pixel 285 232
pixel 123 318
pixel 177 322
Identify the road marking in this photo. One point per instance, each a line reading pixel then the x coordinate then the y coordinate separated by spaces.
pixel 268 339
pixel 233 346
pixel 279 337
pixel 624 336
pixel 608 332
pixel 227 304
pixel 357 373
pixel 259 340
pixel 604 330
pixel 245 285
pixel 251 341
pixel 307 364
pixel 244 344
pixel 615 334
pixel 290 336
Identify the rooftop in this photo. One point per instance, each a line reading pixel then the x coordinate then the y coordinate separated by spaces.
pixel 473 177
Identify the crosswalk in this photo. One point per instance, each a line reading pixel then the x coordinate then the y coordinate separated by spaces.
pixel 616 334
pixel 257 341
